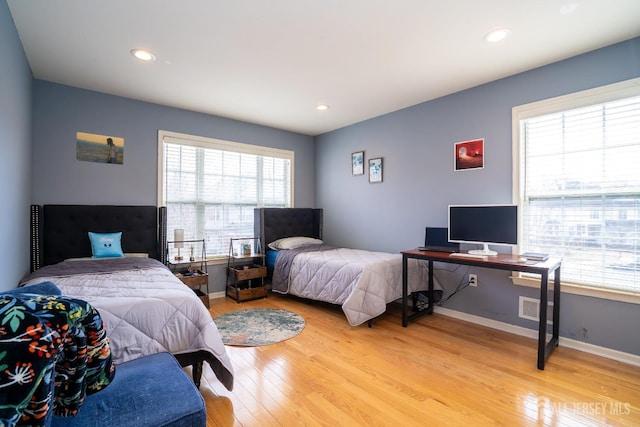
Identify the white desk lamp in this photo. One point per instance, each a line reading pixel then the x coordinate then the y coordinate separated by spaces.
pixel 178 243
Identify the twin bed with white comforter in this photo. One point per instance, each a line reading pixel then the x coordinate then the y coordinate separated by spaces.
pixel 361 282
pixel 144 307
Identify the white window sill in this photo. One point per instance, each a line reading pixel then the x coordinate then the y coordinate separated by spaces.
pixel 572 288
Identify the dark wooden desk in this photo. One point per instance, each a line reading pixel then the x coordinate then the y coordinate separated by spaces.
pixel 499 262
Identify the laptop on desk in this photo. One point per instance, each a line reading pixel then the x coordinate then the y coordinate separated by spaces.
pixel 436 239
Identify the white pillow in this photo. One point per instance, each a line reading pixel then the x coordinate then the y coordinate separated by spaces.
pixel 136 254
pixel 294 242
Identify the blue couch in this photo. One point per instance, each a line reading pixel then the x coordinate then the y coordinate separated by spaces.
pixel 150 391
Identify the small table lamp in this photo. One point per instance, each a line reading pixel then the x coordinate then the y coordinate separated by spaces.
pixel 178 241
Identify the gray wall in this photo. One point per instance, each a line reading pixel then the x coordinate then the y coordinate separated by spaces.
pixel 15 146
pixel 419 182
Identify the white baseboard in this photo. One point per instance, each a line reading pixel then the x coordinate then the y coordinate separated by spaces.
pixel 214 295
pixel 620 356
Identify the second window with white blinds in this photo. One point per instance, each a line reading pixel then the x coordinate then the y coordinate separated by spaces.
pixel 579 185
pixel 211 187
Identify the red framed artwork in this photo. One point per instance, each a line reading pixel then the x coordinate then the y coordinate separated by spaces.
pixel 469 155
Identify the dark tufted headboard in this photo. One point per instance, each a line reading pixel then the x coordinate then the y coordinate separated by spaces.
pixel 274 223
pixel 59 232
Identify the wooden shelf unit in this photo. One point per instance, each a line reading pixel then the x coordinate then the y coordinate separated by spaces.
pixel 246 270
pixel 192 271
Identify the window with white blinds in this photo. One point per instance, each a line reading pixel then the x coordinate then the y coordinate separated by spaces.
pixel 211 187
pixel 578 184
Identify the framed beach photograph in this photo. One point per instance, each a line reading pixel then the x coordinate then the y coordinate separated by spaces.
pixel 357 163
pixel 91 147
pixel 375 170
pixel 469 155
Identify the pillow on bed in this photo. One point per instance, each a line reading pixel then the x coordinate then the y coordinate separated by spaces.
pixel 136 254
pixel 106 244
pixel 294 242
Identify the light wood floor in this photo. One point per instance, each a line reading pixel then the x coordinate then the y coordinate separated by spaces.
pixel 437 372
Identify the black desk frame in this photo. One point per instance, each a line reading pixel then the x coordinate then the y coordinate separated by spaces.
pixel 499 262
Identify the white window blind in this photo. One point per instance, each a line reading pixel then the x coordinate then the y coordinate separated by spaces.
pixel 579 190
pixel 211 187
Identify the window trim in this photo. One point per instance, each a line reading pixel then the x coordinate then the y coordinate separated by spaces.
pixel 602 94
pixel 213 143
pixel 531 281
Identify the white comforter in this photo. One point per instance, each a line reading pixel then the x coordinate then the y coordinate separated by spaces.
pixel 146 311
pixel 362 282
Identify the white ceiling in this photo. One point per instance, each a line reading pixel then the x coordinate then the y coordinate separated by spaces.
pixel 271 62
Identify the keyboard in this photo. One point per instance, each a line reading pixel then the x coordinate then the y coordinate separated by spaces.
pixel 466 255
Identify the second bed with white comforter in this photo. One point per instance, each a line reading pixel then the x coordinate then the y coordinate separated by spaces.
pixel 362 282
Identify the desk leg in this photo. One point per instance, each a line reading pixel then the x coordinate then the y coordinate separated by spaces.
pixel 406 317
pixel 544 348
pixel 556 305
pixel 405 320
pixel 542 325
pixel 430 288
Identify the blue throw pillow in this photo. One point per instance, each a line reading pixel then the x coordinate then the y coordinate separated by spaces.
pixel 106 245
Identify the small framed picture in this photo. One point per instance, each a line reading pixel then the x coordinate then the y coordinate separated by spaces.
pixel 375 170
pixel 92 147
pixel 468 155
pixel 357 163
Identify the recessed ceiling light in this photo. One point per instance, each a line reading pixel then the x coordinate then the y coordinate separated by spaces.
pixel 496 35
pixel 143 55
pixel 322 107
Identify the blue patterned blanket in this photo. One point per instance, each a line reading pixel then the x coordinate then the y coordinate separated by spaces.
pixel 53 351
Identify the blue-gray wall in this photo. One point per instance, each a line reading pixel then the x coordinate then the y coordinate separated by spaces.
pixel 58 177
pixel 15 146
pixel 61 111
pixel 416 145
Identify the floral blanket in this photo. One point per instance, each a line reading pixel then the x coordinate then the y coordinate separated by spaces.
pixel 53 351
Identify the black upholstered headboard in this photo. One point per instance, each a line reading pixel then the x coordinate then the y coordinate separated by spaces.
pixel 59 232
pixel 275 223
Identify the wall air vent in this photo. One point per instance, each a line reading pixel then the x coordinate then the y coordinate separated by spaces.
pixel 529 308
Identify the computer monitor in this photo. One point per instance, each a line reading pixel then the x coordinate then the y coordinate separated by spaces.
pixel 485 225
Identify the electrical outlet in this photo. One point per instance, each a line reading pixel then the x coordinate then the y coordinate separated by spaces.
pixel 473 280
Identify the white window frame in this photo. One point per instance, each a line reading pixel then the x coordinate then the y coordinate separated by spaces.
pixel 218 144
pixel 612 92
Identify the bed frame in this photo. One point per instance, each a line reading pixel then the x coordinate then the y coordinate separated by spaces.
pixel 275 223
pixel 59 232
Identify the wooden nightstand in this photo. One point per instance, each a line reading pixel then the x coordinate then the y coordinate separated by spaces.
pixel 196 281
pixel 246 270
pixel 192 270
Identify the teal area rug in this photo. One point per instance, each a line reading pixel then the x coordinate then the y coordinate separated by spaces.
pixel 258 326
